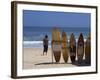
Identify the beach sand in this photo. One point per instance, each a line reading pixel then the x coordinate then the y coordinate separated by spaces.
pixel 34 58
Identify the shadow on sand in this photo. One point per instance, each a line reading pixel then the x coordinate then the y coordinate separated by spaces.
pixel 83 63
pixel 47 63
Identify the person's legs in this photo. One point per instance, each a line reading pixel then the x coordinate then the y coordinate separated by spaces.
pixel 44 50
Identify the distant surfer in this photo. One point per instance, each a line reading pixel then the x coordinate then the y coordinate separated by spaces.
pixel 45 44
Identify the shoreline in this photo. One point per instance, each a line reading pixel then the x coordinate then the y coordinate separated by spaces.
pixel 39 44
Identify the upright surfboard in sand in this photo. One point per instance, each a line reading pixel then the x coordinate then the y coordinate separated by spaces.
pixel 56 44
pixel 80 48
pixel 72 48
pixel 88 50
pixel 64 47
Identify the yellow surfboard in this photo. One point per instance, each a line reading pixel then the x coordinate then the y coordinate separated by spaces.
pixel 88 50
pixel 56 44
pixel 64 47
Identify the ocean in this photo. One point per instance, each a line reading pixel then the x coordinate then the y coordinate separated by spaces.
pixel 33 36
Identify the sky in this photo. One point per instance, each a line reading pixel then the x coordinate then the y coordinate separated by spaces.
pixel 55 19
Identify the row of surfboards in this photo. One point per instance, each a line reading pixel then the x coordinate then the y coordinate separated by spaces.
pixel 79 49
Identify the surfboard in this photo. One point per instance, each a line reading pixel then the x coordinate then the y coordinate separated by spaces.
pixel 64 47
pixel 56 44
pixel 80 48
pixel 88 50
pixel 72 48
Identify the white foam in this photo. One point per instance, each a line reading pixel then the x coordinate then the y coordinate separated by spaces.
pixel 34 44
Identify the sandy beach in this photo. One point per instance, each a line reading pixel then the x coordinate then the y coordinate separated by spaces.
pixel 34 58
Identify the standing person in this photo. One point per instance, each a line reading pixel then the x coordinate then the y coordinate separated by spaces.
pixel 45 44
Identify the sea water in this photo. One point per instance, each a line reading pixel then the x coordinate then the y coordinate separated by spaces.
pixel 33 35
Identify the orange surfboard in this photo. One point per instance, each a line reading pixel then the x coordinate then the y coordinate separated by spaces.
pixel 64 47
pixel 56 44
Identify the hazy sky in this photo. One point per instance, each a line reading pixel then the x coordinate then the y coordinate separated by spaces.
pixel 58 19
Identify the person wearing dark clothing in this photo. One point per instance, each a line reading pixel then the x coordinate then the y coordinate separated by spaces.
pixel 45 44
